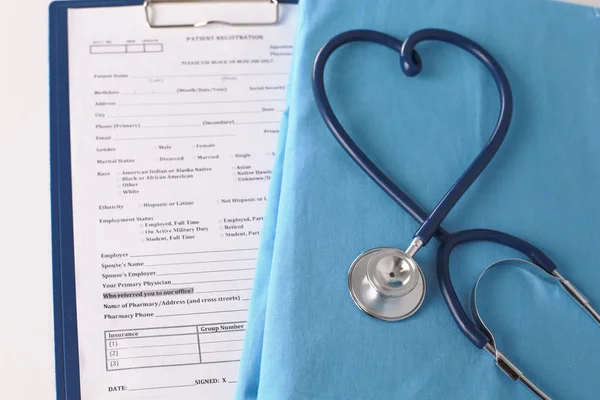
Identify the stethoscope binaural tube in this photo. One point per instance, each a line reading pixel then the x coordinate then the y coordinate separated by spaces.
pixel 478 333
pixel 473 332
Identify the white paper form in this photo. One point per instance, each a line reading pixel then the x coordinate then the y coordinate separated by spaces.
pixel 173 134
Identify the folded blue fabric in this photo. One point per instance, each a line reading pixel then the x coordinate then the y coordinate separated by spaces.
pixel 306 338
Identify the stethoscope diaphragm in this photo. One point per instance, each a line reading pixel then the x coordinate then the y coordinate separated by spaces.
pixel 387 284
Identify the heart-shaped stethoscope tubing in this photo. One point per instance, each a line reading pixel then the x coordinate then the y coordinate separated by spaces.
pixel 387 283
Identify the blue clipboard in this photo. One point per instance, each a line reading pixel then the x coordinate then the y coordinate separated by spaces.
pixel 63 254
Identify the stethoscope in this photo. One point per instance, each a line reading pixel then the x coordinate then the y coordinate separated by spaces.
pixel 387 283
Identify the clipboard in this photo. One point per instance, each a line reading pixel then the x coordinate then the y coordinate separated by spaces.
pixel 64 283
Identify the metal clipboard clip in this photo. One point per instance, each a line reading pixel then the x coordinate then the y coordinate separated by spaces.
pixel 148 10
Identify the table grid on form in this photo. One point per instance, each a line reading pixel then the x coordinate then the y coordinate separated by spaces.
pixel 174 346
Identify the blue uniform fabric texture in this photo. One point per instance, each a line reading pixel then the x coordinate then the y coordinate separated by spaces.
pixel 306 338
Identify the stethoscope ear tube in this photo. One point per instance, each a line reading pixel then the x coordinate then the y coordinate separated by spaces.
pixel 474 333
pixel 477 332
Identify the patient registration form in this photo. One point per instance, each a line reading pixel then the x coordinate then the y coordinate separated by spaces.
pixel 173 133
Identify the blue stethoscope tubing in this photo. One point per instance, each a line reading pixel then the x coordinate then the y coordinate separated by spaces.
pixel 411 65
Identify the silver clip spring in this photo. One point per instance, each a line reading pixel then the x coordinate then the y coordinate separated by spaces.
pixel 149 20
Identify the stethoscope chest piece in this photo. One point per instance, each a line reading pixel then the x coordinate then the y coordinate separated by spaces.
pixel 387 284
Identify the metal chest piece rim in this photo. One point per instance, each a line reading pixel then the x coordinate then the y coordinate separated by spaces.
pixel 387 284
